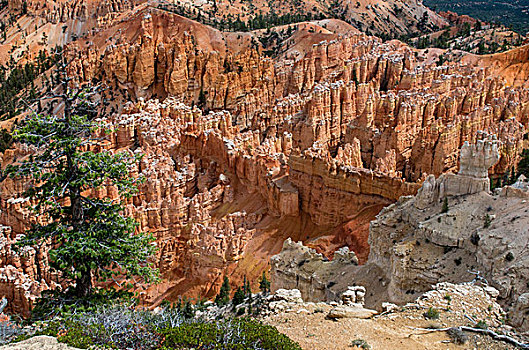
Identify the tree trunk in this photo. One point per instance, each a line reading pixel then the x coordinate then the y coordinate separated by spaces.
pixel 84 284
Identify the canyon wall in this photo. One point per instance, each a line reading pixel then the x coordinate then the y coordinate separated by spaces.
pixel 422 240
pixel 243 151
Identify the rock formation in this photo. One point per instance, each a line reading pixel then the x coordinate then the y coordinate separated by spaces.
pixel 243 151
pixel 416 244
pixel 299 267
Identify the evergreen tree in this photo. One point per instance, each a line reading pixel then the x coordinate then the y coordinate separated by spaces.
pixel 202 99
pixel 224 294
pixel 523 165
pixel 264 284
pixel 90 237
pixel 238 297
pixel 513 177
pixel 250 304
pixel 444 209
pixel 188 311
pixel 247 289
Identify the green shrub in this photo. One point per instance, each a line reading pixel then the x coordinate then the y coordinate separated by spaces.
pixel 75 335
pixel 444 209
pixel 432 314
pixel 487 221
pixel 360 343
pixel 481 325
pixel 234 334
pixel 122 327
pixel 238 297
pixel 118 327
pixel 64 304
pixel 223 297
pixel 9 330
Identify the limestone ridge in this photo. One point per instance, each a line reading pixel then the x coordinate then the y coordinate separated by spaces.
pixel 415 244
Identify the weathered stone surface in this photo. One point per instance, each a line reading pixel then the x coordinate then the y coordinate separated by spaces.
pixel 344 311
pixel 287 295
pixel 41 342
pixel 302 268
pixel 354 296
pixel 415 244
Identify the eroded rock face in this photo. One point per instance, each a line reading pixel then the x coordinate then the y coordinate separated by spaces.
pixel 294 146
pixel 476 160
pixel 302 268
pixel 416 244
pixel 400 115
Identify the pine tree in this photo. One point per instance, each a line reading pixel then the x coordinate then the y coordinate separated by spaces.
pixel 202 99
pixel 523 165
pixel 188 310
pixel 90 238
pixel 444 209
pixel 238 297
pixel 224 294
pixel 246 287
pixel 513 177
pixel 250 304
pixel 264 284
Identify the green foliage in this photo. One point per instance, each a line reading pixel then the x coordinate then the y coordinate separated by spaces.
pixel 444 209
pixel 188 311
pixel 360 343
pixel 118 327
pixel 223 297
pixel 9 329
pixel 226 335
pixel 75 336
pixel 122 327
pixel 6 140
pixel 90 236
pixel 264 284
pixel 487 221
pixel 509 13
pixel 481 325
pixel 247 289
pixel 432 314
pixel 234 23
pixel 523 164
pixel 202 99
pixel 238 297
pixel 509 257
pixel 16 84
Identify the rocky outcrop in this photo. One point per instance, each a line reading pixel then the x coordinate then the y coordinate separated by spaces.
pixel 475 161
pixel 415 243
pixel 300 267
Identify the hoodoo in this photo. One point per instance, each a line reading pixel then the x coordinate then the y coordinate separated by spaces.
pixel 356 154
